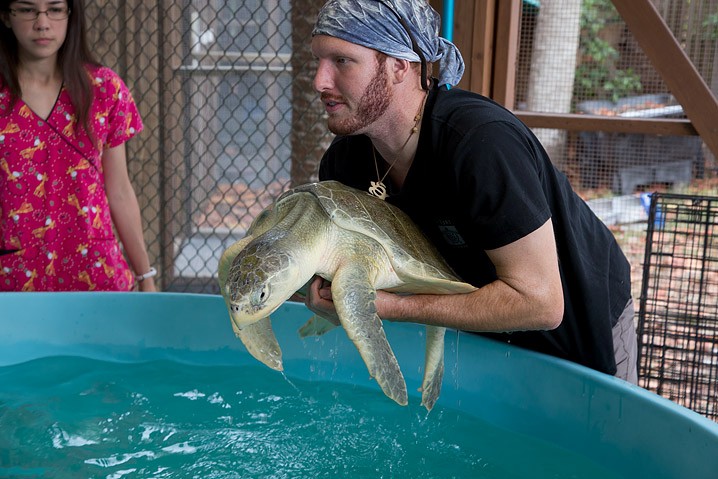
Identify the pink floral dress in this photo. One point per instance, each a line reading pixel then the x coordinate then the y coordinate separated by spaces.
pixel 55 226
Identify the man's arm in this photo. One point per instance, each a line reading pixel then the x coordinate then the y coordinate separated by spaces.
pixel 526 296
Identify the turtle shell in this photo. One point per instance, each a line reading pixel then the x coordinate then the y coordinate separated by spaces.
pixel 412 255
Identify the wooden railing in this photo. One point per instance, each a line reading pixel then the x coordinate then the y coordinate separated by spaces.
pixel 581 122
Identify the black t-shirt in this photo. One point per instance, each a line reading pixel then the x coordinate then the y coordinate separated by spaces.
pixel 480 180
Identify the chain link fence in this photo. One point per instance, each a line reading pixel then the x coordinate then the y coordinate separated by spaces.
pixel 232 120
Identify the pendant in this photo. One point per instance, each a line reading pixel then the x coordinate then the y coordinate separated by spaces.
pixel 378 189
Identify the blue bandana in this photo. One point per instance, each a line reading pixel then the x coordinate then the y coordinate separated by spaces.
pixel 375 24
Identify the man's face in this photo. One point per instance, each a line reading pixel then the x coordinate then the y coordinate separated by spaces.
pixel 353 84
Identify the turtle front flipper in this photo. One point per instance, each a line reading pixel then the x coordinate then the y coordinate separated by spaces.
pixel 261 343
pixel 354 297
pixel 433 366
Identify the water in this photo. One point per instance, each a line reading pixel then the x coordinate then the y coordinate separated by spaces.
pixel 71 417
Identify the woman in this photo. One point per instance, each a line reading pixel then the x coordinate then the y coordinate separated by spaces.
pixel 64 120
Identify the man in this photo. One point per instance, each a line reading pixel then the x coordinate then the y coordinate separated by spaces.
pixel 551 276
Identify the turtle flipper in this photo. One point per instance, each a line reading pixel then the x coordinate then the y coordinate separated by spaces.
pixel 433 366
pixel 316 326
pixel 354 297
pixel 261 343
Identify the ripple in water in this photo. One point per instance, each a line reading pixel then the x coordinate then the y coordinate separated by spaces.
pixel 69 417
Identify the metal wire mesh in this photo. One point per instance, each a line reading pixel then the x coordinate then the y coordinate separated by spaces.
pixel 580 57
pixel 678 316
pixel 231 119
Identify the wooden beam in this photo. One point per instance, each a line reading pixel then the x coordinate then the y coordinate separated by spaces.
pixel 506 43
pixel 577 122
pixel 677 70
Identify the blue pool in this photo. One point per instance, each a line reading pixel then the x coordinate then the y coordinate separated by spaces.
pixel 555 405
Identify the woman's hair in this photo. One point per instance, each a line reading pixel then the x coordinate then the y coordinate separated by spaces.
pixel 73 57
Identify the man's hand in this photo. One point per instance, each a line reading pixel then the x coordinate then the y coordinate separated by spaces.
pixel 319 299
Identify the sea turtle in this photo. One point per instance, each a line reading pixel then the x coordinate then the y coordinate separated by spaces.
pixel 358 242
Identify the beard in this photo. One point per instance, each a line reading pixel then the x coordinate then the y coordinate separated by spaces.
pixel 372 104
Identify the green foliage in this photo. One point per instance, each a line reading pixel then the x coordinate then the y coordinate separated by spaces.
pixel 597 77
pixel 711 25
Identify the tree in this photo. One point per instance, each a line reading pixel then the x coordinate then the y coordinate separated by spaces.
pixel 553 66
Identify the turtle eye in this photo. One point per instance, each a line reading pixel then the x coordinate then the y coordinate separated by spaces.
pixel 261 296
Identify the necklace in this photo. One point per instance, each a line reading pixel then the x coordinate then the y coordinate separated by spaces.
pixel 378 188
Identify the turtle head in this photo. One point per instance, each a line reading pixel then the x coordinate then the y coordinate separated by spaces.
pixel 260 278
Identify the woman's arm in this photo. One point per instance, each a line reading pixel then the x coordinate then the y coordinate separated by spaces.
pixel 125 211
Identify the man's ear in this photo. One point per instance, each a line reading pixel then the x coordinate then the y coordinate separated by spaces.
pixel 399 69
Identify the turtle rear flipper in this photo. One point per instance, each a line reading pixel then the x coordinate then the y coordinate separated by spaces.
pixel 433 366
pixel 316 326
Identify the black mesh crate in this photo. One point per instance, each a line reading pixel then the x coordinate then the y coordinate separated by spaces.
pixel 678 313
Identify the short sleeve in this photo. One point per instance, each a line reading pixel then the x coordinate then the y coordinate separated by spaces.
pixel 116 107
pixel 501 182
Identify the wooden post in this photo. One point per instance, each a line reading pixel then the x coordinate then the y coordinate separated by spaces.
pixel 473 26
pixel 486 33
pixel 503 88
pixel 480 62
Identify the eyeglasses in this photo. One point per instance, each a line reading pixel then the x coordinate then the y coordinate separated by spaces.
pixel 32 14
